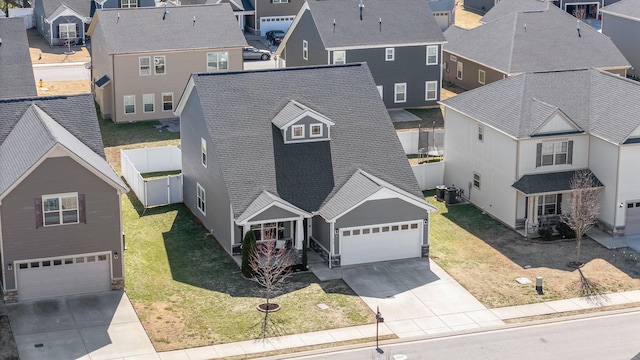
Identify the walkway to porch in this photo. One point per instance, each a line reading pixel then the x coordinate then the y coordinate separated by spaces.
pixel 611 242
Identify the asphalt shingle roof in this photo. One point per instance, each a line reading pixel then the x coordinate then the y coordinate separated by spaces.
pixel 403 22
pixel 600 103
pixel 82 7
pixel 16 73
pixel 28 130
pixel 628 8
pixel 507 7
pixel 292 110
pixel 215 26
pixel 535 41
pixel 253 156
pixel 549 182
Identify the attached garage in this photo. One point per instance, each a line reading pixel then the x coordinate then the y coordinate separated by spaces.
pixel 367 244
pixel 632 220
pixel 268 23
pixel 61 276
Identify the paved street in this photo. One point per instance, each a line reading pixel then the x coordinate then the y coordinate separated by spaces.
pixel 61 72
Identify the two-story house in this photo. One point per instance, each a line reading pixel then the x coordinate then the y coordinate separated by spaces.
pixel 584 10
pixel 136 80
pixel 60 219
pixel 621 22
pixel 16 72
pixel 526 41
pixel 400 41
pixel 295 166
pixel 514 145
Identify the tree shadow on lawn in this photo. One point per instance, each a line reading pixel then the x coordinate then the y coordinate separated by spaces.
pixel 551 254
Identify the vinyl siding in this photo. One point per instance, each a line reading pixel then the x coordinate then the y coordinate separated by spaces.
pixel 382 211
pixel 625 34
pixel 321 229
pixel 305 30
pixel 102 64
pixel 267 8
pixel 604 163
pixel 60 175
pixel 469 72
pixel 628 175
pixel 307 121
pixel 273 213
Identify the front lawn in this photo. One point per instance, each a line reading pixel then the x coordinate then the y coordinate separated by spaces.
pixel 486 258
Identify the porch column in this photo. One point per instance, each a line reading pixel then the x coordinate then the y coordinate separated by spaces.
pixel 299 236
pixel 245 229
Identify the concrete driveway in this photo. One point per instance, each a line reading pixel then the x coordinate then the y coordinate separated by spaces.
pixel 97 326
pixel 416 297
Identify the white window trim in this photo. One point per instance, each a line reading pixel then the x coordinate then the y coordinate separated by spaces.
pixel 130 4
pixel 477 180
pixel 163 102
pixel 153 103
pixel 67 25
pixel 203 152
pixel 293 132
pixel 480 133
pixel 459 70
pixel 436 54
pixel 124 98
pixel 217 55
pixel 555 152
pixel 140 72
pixel 155 64
pixel 60 210
pixel 201 198
pixel 344 57
pixel 482 76
pixel 305 49
pixel 541 205
pixel 389 51
pixel 280 2
pixel 396 93
pixel 426 90
pixel 311 130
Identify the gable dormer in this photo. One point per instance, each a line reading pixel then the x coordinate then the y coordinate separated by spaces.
pixel 299 123
pixel 557 122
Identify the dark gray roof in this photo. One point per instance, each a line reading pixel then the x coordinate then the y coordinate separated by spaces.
pixel 16 73
pixel 549 42
pixel 549 182
pixel 594 100
pixel 626 8
pixel 403 22
pixel 291 111
pixel 215 27
pixel 253 156
pixel 82 7
pixel 30 127
pixel 507 7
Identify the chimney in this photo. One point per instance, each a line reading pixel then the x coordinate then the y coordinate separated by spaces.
pixel 361 6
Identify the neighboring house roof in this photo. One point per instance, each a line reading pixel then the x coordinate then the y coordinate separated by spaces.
pixel 599 103
pixel 51 7
pixel 549 182
pixel 535 41
pixel 168 29
pixel 508 7
pixel 31 127
pixel 251 152
pixel 403 22
pixel 236 5
pixel 625 8
pixel 16 72
pixel 441 5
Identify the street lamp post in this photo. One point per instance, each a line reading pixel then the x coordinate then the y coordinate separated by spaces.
pixel 379 319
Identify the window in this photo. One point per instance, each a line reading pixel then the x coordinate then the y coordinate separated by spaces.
pixel 459 68
pixel 305 49
pixel 405 227
pixel 395 228
pixel 356 232
pixel 269 231
pixel 549 204
pixel 203 149
pixel 148 103
pixel 400 93
pixel 339 57
pixel 476 180
pixel 481 76
pixel 145 65
pixel 67 31
pixel 201 199
pixel 453 58
pixel 346 233
pixel 159 64
pixel 297 131
pixel 60 209
pixel 431 90
pixel 217 61
pixel 129 4
pixel 553 153
pixel 380 91
pixel 167 101
pixel 480 132
pixel 389 54
pixel 129 104
pixel 279 1
pixel 316 130
pixel 432 55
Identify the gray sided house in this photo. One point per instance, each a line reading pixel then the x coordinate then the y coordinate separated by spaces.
pixel 137 80
pixel 271 15
pixel 16 73
pixel 582 9
pixel 621 22
pixel 444 12
pixel 121 4
pixel 295 166
pixel 62 21
pixel 528 41
pixel 60 219
pixel 242 9
pixel 400 41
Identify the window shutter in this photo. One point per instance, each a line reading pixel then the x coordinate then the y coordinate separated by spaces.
pixel 539 155
pixel 570 152
pixel 559 204
pixel 82 214
pixel 37 203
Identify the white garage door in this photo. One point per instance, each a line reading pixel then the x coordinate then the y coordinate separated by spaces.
pixel 632 222
pixel 77 274
pixel 380 243
pixel 268 23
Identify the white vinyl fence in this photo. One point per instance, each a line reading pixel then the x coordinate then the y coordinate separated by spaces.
pixel 156 191
pixel 429 175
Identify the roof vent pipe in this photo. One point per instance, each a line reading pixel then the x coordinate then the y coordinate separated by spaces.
pixel 334 26
pixel 361 6
pixel 578 28
pixel 380 22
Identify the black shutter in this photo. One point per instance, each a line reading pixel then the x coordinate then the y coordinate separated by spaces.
pixel 559 204
pixel 539 155
pixel 570 152
pixel 37 203
pixel 82 214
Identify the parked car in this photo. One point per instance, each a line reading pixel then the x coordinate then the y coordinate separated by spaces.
pixel 275 36
pixel 251 53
